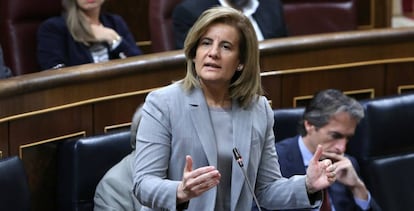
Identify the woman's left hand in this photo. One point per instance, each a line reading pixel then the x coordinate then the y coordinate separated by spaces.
pixel 319 174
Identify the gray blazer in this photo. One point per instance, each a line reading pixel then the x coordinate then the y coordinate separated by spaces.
pixel 114 191
pixel 176 123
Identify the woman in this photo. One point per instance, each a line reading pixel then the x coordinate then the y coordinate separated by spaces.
pixel 83 35
pixel 189 129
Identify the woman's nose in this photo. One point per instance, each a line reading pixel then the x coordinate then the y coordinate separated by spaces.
pixel 213 52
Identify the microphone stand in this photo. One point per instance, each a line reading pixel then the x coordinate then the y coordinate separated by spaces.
pixel 239 160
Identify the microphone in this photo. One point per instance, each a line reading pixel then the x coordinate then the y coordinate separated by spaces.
pixel 238 158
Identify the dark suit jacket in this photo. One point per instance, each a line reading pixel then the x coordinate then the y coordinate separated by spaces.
pixel 56 45
pixel 5 72
pixel 291 163
pixel 269 16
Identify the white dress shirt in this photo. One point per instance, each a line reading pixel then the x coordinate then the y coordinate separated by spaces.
pixel 248 11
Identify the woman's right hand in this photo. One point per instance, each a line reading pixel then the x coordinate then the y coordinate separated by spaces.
pixel 195 182
pixel 104 34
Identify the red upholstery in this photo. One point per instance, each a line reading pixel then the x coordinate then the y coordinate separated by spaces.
pixel 160 24
pixel 407 6
pixel 319 16
pixel 18 26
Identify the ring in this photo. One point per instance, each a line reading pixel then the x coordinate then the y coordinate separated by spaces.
pixel 332 168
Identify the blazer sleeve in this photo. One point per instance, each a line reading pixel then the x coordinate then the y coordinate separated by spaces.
pixel 51 39
pixel 114 190
pixel 152 186
pixel 274 191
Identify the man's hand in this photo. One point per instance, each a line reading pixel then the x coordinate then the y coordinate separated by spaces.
pixel 346 174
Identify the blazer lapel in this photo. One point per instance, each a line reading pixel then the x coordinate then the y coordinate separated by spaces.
pixel 202 123
pixel 290 158
pixel 242 124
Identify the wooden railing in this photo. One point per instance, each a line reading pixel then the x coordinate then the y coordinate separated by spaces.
pixel 39 110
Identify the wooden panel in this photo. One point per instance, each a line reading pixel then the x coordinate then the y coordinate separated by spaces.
pixel 35 139
pixel 374 14
pixel 310 53
pixel 273 89
pixel 306 84
pixel 399 76
pixel 364 13
pixel 383 13
pixel 45 126
pixel 117 113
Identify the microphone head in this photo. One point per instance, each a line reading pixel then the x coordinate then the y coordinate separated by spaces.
pixel 237 156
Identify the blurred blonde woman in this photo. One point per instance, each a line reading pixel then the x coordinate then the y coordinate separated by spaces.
pixel 83 34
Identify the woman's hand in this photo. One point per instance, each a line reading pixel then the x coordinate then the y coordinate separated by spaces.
pixel 104 34
pixel 195 182
pixel 320 174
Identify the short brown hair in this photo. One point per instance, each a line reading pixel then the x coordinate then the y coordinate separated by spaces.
pixel 245 85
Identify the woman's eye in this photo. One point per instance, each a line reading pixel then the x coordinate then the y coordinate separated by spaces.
pixel 205 42
pixel 227 47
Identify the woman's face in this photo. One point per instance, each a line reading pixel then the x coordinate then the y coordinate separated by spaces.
pixel 217 54
pixel 87 5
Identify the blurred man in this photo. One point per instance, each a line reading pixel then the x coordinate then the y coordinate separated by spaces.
pixel 266 16
pixel 5 72
pixel 329 120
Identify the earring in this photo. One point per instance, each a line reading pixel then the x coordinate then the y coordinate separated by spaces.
pixel 240 67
